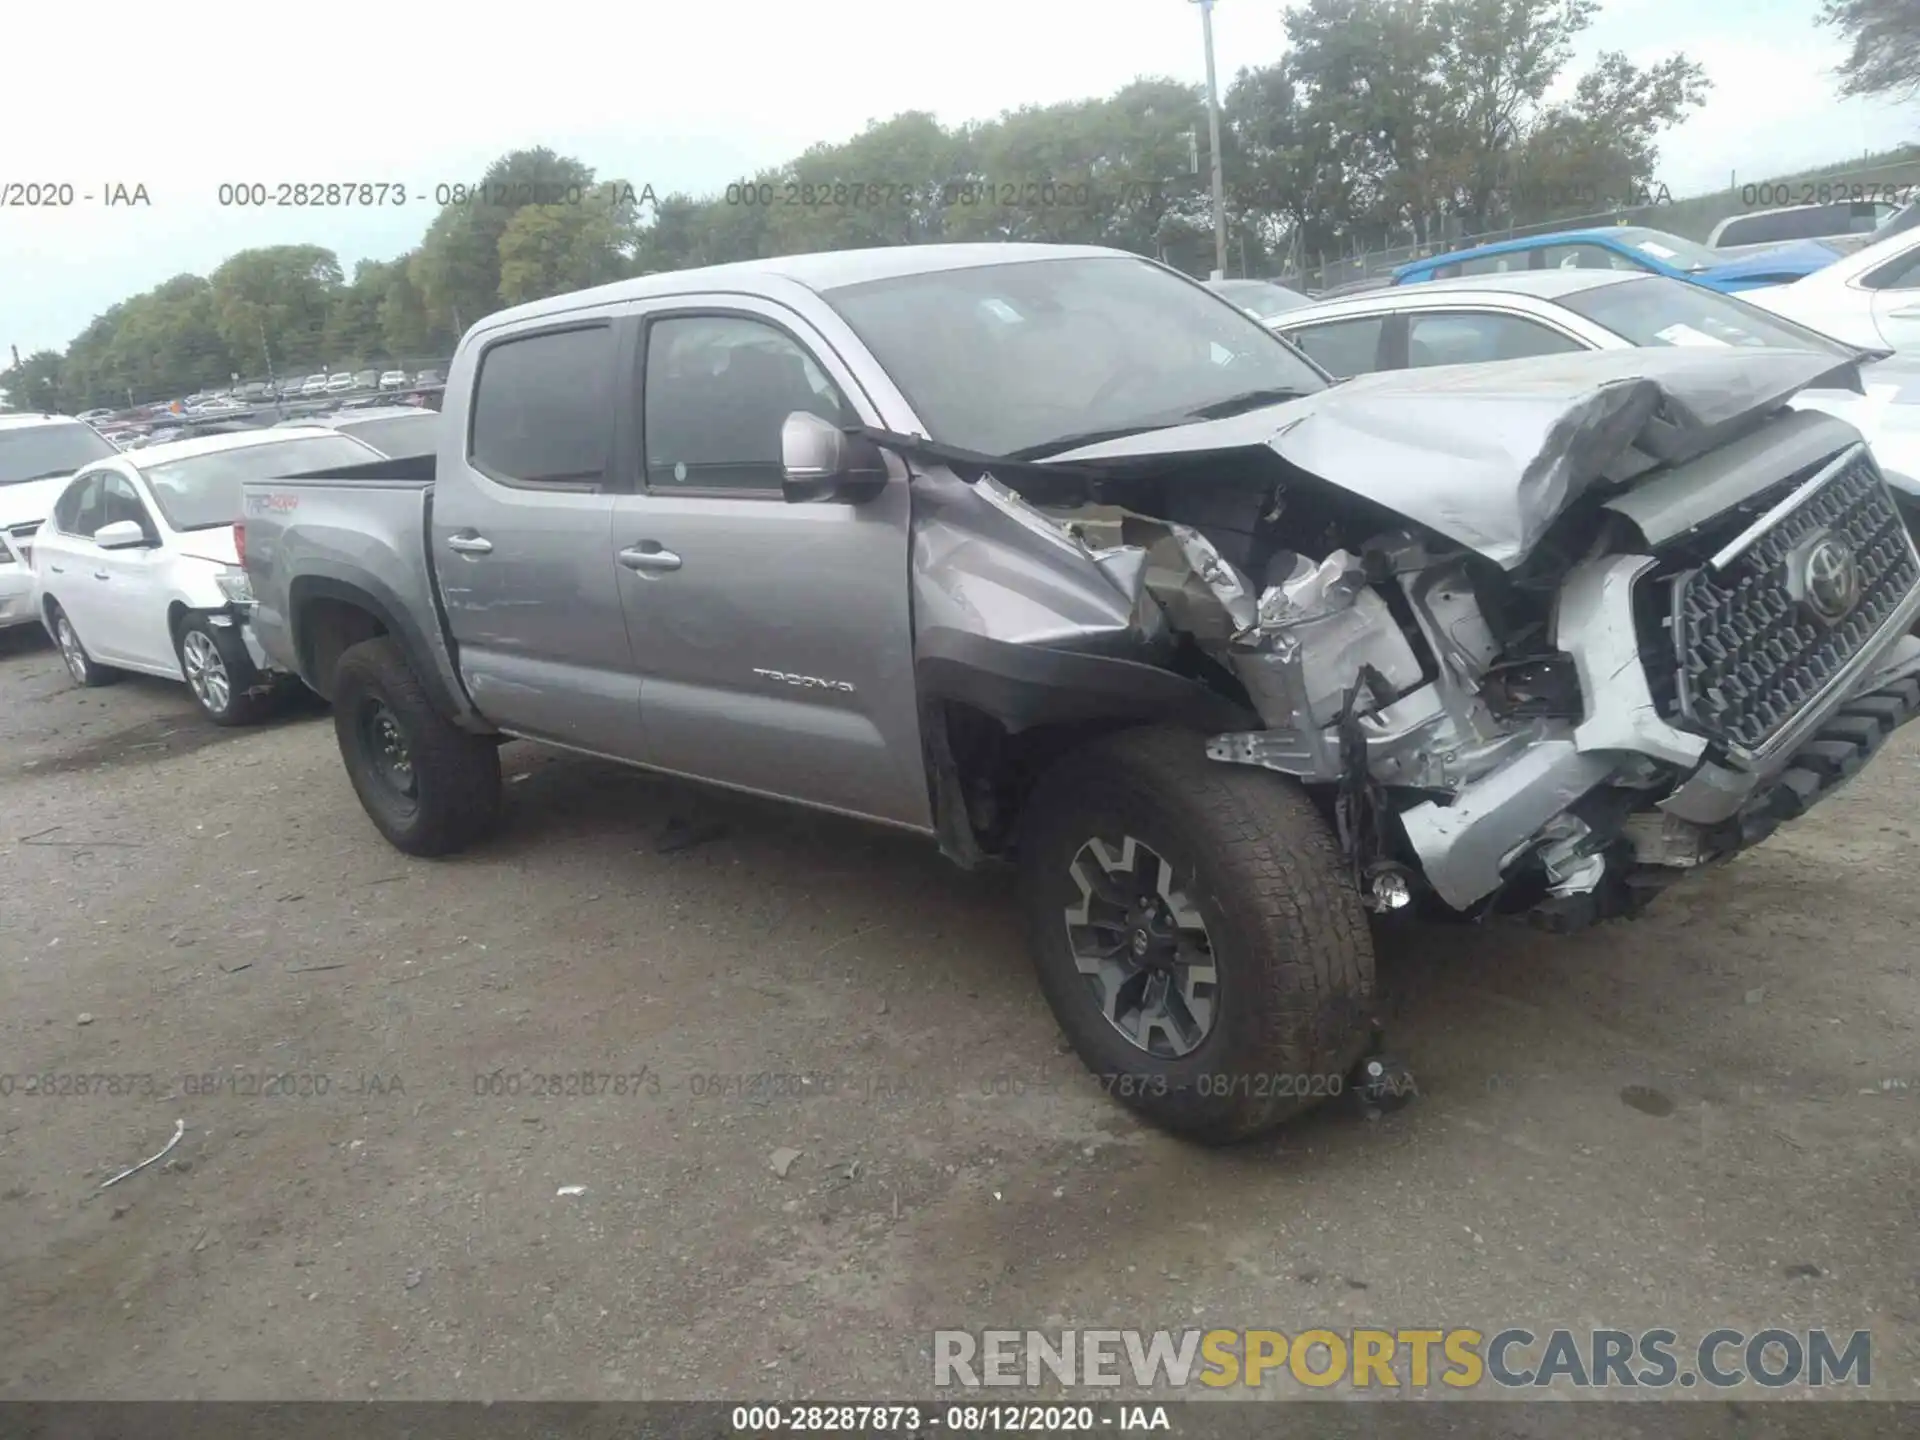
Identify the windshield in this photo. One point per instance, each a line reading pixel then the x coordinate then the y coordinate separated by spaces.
pixel 1654 310
pixel 1012 358
pixel 36 452
pixel 203 491
pixel 1672 250
pixel 1262 297
pixel 401 436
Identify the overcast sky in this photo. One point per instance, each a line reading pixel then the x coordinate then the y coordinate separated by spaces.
pixel 676 96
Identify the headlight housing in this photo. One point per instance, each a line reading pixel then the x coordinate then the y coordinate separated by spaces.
pixel 234 584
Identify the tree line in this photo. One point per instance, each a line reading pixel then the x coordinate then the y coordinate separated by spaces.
pixel 1386 122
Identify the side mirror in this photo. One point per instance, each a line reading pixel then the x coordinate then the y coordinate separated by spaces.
pixel 121 535
pixel 820 461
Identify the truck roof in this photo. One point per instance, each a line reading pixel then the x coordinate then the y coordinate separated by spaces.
pixel 823 270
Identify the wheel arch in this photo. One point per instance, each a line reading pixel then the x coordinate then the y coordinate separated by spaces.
pixel 997 715
pixel 326 616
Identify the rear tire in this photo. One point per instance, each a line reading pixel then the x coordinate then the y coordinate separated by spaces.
pixel 428 786
pixel 84 669
pixel 1244 885
pixel 220 674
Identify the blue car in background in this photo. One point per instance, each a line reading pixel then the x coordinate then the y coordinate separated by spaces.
pixel 1626 247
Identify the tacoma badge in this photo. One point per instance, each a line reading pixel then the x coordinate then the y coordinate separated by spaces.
pixel 805 682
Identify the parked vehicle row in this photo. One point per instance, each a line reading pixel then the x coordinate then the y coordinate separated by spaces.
pixel 1752 250
pixel 1625 247
pixel 129 561
pixel 1114 585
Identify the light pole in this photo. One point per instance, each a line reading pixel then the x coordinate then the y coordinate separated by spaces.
pixel 1213 138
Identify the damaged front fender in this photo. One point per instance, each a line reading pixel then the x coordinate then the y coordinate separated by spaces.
pixel 1031 625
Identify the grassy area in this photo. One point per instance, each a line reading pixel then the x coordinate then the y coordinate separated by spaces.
pixel 1696 215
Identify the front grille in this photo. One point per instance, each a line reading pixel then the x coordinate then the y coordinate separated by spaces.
pixel 1749 649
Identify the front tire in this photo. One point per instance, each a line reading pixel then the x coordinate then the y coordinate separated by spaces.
pixel 84 669
pixel 428 786
pixel 1195 934
pixel 221 675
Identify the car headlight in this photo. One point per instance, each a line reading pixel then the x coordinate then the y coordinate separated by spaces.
pixel 234 584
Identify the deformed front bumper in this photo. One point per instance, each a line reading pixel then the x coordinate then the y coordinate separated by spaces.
pixel 1628 800
pixel 240 618
pixel 1844 741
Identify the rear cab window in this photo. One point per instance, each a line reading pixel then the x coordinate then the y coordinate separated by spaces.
pixel 543 408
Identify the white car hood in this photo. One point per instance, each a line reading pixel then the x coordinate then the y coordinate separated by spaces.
pixel 30 500
pixel 214 546
pixel 1888 414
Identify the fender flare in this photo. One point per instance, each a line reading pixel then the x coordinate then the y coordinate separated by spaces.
pixel 398 623
pixel 1023 686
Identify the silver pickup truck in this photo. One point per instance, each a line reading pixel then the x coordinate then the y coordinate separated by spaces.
pixel 1055 557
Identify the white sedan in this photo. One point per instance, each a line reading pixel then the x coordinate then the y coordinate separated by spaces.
pixel 37 455
pixel 136 568
pixel 1550 312
pixel 1871 297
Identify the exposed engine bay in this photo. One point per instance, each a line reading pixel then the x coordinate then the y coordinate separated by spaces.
pixel 1546 669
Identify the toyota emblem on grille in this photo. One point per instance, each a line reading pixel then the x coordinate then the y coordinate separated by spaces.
pixel 1832 578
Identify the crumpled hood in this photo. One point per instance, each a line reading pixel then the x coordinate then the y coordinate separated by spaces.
pixel 1490 455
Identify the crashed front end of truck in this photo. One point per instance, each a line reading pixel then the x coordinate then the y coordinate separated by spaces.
pixel 1541 636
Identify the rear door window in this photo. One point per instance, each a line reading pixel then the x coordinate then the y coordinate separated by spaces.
pixel 1465 338
pixel 1900 274
pixel 1507 263
pixel 1584 257
pixel 1343 347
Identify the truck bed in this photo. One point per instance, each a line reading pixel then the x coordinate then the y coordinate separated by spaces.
pixel 409 467
pixel 357 535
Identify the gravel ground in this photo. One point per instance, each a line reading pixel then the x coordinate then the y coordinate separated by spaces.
pixel 1706 1118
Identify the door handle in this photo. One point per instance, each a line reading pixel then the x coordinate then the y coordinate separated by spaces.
pixel 1905 312
pixel 649 557
pixel 470 544
pixel 101 575
pixel 57 569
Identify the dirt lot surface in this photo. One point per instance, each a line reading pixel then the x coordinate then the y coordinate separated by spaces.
pixel 1704 1119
